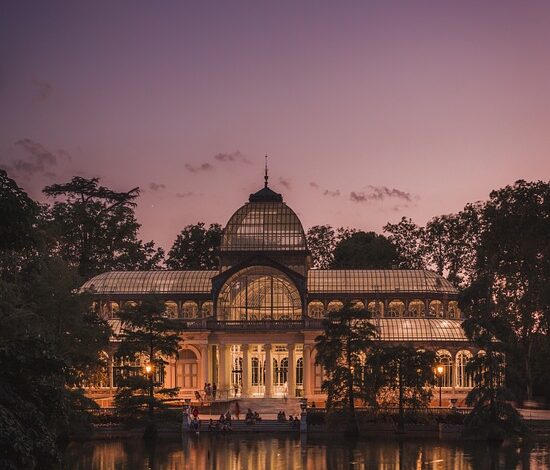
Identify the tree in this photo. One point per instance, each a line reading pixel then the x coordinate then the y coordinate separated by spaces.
pixel 147 332
pixel 364 250
pixel 408 238
pixel 513 259
pixel 341 350
pixel 321 241
pixel 406 372
pixel 96 228
pixel 47 338
pixel 196 247
pixel 491 414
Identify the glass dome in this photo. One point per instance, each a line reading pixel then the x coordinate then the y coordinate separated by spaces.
pixel 265 223
pixel 259 293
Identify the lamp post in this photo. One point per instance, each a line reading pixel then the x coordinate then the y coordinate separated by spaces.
pixel 440 369
pixel 149 373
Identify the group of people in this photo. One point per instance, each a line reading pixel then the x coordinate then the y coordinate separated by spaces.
pixel 293 421
pixel 252 417
pixel 222 424
pixel 210 391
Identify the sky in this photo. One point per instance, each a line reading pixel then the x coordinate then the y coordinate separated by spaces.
pixel 369 110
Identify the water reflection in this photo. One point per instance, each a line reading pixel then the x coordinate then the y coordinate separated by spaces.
pixel 218 452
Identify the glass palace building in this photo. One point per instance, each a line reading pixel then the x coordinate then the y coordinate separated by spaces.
pixel 251 324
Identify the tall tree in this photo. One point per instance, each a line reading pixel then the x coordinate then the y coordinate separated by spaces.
pixel 405 372
pixel 364 250
pixel 196 247
pixel 341 350
pixel 148 332
pixel 491 414
pixel 97 229
pixel 513 259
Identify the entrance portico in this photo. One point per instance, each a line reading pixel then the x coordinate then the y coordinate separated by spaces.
pixel 261 370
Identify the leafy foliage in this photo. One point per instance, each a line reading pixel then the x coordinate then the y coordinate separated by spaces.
pixel 341 351
pixel 147 332
pixel 96 228
pixel 364 250
pixel 196 247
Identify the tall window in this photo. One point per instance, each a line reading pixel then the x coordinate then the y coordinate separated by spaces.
pixel 187 369
pixel 446 360
pixel 453 310
pixel 259 293
pixel 463 378
pixel 171 308
pixel 335 306
pixel 300 372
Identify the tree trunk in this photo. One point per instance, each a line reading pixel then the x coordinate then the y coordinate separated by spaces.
pixel 352 425
pixel 528 373
pixel 401 425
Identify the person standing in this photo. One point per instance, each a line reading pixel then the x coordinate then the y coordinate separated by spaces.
pixel 214 390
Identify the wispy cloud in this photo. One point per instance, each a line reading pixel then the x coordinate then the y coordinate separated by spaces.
pixel 156 186
pixel 182 195
pixel 380 193
pixel 234 157
pixel 199 168
pixel 325 192
pixel 31 158
pixel 285 182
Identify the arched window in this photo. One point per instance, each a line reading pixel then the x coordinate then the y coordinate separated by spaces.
pixel 207 309
pixel 316 309
pixel 300 372
pixel 187 369
pixel 171 308
pixel 283 371
pixel 276 372
pixel 436 308
pixel 259 293
pixel 376 308
pixel 357 305
pixel 453 310
pixel 237 372
pixel 416 308
pixel 189 309
pixel 255 376
pixel 335 306
pixel 445 359
pixel 463 378
pixel 396 308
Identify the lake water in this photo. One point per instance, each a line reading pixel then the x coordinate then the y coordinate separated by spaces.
pixel 232 452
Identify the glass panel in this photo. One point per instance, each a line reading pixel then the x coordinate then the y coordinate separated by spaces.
pixel 258 226
pixel 259 293
pixel 316 309
pixel 416 308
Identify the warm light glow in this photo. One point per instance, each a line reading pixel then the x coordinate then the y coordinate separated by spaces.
pixel 148 368
pixel 439 369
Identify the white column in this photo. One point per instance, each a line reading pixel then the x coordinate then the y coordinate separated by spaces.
pixel 291 370
pixel 268 371
pixel 205 363
pixel 307 370
pixel 246 371
pixel 224 369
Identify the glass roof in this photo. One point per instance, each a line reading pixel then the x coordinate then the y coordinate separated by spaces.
pixel 324 282
pixel 148 282
pixel 264 226
pixel 384 281
pixel 419 329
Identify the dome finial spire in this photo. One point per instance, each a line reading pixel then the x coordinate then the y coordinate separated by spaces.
pixel 266 177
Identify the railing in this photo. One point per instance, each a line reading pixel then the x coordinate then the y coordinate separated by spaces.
pixel 255 324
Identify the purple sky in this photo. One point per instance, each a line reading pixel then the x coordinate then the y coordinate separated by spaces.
pixel 369 110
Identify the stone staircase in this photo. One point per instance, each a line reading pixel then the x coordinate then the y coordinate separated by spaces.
pixel 269 407
pixel 265 425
